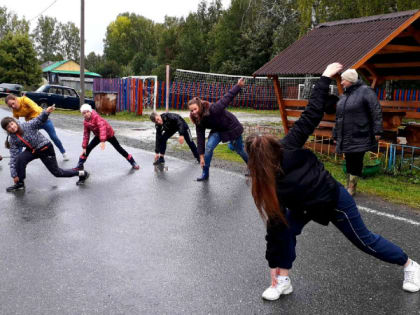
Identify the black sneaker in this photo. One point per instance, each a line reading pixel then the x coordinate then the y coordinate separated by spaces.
pixel 82 178
pixel 16 187
pixel 160 160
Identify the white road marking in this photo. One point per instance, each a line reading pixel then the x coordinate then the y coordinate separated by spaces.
pixel 391 216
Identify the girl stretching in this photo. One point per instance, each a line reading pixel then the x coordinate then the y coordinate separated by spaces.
pixel 37 147
pixel 223 125
pixel 103 132
pixel 291 187
pixel 25 107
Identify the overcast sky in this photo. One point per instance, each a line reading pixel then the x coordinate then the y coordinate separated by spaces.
pixel 99 13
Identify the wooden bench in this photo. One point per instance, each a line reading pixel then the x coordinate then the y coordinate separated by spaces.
pixel 294 108
pixel 410 107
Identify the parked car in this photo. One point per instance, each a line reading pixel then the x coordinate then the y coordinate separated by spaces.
pixel 7 88
pixel 62 96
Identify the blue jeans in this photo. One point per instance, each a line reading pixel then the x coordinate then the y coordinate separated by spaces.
pixel 49 128
pixel 347 219
pixel 213 141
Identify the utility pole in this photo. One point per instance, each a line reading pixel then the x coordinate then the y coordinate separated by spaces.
pixel 82 52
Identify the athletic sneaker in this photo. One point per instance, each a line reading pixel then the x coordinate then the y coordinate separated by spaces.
pixel 133 163
pixel 65 157
pixel 16 187
pixel 160 160
pixel 284 286
pixel 412 277
pixel 82 178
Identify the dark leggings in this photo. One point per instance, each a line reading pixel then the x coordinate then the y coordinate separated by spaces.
pixel 95 141
pixel 354 163
pixel 187 137
pixel 47 156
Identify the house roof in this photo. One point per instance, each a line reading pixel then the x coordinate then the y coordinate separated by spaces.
pixel 353 43
pixel 58 67
pixel 54 65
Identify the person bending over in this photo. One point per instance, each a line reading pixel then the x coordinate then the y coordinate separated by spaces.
pixel 223 125
pixel 167 124
pixel 103 132
pixel 27 135
pixel 27 108
pixel 290 188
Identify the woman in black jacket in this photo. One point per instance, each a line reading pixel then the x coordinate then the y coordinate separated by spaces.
pixel 358 125
pixel 223 125
pixel 167 124
pixel 291 187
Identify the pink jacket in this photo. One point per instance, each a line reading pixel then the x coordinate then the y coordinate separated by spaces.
pixel 100 128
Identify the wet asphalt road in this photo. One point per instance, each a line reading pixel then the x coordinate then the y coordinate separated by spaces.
pixel 141 242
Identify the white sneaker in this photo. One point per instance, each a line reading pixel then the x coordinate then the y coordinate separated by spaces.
pixel 284 286
pixel 412 277
pixel 65 157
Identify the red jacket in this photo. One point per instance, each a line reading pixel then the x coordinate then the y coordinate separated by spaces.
pixel 100 128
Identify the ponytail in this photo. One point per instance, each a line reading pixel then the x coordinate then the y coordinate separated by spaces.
pixel 6 143
pixel 264 164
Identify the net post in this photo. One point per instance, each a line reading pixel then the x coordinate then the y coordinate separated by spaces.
pixel 167 88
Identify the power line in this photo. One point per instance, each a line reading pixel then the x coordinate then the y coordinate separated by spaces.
pixel 44 10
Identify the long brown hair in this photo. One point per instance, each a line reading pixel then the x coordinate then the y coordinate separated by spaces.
pixel 4 123
pixel 203 109
pixel 264 163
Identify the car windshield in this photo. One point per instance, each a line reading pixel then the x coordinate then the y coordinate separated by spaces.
pixel 41 88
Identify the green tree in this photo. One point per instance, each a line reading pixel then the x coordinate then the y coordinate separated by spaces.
pixel 18 62
pixel 228 44
pixel 194 36
pixel 47 38
pixel 110 69
pixel 127 36
pixel 9 22
pixel 168 44
pixel 70 41
pixel 94 62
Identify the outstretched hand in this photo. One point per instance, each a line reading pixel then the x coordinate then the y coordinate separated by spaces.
pixel 332 69
pixel 50 109
pixel 241 82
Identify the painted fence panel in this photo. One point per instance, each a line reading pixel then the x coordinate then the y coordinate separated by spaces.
pixel 132 94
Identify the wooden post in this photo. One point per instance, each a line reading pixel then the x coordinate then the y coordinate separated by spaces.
pixel 167 87
pixel 282 107
pixel 140 98
pixel 339 87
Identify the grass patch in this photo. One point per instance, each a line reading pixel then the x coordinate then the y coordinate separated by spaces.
pixel 224 153
pixel 394 188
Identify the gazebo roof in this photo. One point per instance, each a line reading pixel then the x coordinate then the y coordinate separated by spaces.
pixel 382 46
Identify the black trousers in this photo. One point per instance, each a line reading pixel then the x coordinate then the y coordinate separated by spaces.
pixel 47 157
pixel 95 141
pixel 354 163
pixel 188 139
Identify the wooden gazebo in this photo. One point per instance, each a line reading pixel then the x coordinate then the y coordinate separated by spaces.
pixel 383 47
